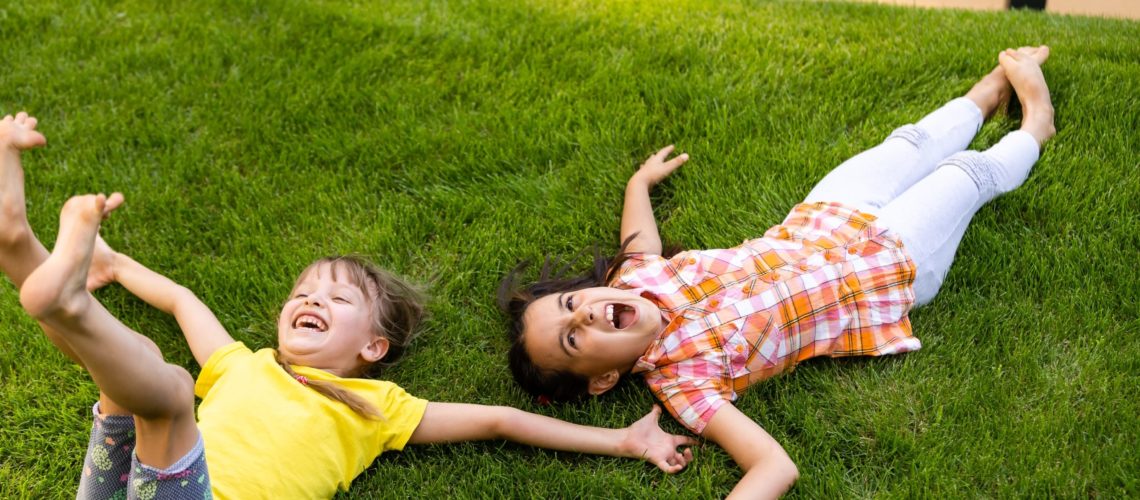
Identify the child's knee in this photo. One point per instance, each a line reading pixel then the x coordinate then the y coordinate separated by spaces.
pixel 176 399
pixel 150 345
pixel 13 235
pixel 185 386
pixel 913 134
pixel 1000 169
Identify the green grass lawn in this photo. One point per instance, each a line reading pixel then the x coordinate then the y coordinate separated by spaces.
pixel 450 140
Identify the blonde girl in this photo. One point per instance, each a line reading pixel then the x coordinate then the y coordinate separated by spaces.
pixel 299 421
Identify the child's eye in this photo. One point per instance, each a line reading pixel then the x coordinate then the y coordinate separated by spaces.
pixel 570 339
pixel 341 300
pixel 300 296
pixel 570 303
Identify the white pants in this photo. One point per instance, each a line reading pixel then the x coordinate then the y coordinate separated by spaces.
pixel 925 188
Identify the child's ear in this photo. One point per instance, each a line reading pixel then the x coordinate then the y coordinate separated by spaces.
pixel 601 383
pixel 375 350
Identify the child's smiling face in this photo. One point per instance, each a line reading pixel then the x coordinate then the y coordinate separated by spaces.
pixel 590 332
pixel 327 324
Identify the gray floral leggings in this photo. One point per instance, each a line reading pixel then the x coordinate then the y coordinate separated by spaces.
pixel 111 470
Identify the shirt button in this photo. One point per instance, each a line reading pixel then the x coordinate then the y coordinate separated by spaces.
pixel 775 276
pixel 692 261
pixel 852 250
pixel 804 267
pixel 713 303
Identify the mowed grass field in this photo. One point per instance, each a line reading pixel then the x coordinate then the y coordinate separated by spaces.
pixel 447 141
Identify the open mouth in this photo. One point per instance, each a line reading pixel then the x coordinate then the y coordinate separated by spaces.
pixel 310 322
pixel 621 315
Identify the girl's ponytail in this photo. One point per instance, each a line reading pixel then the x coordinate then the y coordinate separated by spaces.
pixel 334 392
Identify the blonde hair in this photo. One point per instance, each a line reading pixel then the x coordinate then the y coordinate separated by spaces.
pixel 397 309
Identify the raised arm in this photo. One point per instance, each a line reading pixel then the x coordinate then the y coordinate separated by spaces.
pixel 453 422
pixel 768 472
pixel 201 328
pixel 637 213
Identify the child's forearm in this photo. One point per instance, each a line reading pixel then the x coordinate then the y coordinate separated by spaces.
pixel 768 471
pixel 454 422
pixel 160 292
pixel 554 434
pixel 204 334
pixel 637 218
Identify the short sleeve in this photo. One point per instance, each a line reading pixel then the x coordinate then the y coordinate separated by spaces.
pixel 639 270
pixel 693 402
pixel 223 358
pixel 402 415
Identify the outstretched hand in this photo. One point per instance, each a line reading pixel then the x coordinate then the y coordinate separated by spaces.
pixel 102 271
pixel 647 441
pixel 656 168
pixel 19 132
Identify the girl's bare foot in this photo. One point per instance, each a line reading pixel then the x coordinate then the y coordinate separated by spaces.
pixel 1024 73
pixel 993 91
pixel 17 133
pixel 57 290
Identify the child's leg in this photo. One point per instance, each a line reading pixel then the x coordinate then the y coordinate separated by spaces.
pixel 873 178
pixel 107 465
pixel 160 395
pixel 932 216
pixel 20 251
pixel 111 470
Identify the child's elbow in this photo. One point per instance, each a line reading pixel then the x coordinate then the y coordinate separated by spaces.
pixel 502 421
pixel 789 473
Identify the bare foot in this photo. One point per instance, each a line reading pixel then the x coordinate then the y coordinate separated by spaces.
pixel 993 91
pixel 1024 73
pixel 17 133
pixel 102 272
pixel 57 290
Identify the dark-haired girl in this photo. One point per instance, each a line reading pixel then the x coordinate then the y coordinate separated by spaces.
pixel 837 277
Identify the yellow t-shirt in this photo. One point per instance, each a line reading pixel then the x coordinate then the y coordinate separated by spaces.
pixel 268 436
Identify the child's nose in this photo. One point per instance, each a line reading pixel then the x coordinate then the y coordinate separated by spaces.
pixel 584 315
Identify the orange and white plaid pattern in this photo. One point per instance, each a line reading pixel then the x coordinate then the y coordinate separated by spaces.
pixel 827 281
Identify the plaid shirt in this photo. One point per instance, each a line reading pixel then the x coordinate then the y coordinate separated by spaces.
pixel 827 281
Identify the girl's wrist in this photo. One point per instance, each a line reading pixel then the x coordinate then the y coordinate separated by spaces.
pixel 636 181
pixel 626 447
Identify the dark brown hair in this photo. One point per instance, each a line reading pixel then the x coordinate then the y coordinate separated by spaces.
pixel 555 276
pixel 397 309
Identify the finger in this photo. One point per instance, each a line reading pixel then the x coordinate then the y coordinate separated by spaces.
pixel 7 118
pixel 21 116
pixel 665 466
pixel 660 155
pixel 688 455
pixel 684 441
pixel 678 161
pixel 655 411
pixel 31 122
